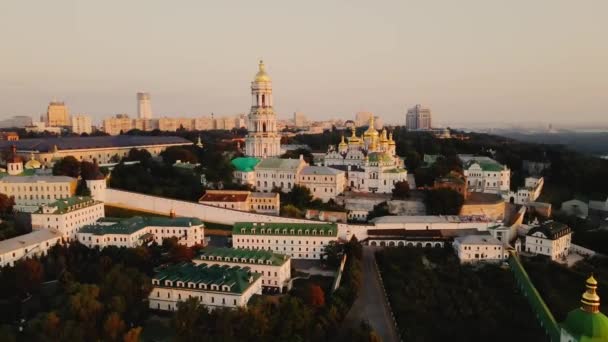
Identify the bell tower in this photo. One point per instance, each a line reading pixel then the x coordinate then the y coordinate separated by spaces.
pixel 263 140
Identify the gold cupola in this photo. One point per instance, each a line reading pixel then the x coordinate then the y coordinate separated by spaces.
pixel 390 139
pixel 262 76
pixel 371 131
pixel 590 300
pixel 342 142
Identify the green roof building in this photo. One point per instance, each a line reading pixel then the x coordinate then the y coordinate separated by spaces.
pixel 285 229
pixel 587 323
pixel 245 164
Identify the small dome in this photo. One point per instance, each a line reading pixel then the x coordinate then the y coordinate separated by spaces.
pixel 33 164
pixel 580 323
pixel 262 76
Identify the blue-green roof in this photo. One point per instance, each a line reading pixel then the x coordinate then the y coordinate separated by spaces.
pixel 70 203
pixel 238 279
pixel 285 229
pixel 221 253
pixel 136 223
pixel 245 164
pixel 586 326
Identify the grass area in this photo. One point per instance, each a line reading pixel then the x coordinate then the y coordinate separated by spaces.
pixel 561 287
pixel 434 298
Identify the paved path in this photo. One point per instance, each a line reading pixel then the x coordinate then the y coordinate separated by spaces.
pixel 371 305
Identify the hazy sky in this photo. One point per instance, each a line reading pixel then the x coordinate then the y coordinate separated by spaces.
pixel 482 60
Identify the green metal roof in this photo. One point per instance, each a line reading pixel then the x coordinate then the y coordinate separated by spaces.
pixel 279 163
pixel 379 157
pixel 285 229
pixel 220 254
pixel 237 278
pixel 245 164
pixel 136 223
pixel 26 172
pixel 71 203
pixel 486 165
pixel 587 326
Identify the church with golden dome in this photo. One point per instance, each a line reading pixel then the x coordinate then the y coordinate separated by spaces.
pixel 586 323
pixel 370 161
pixel 263 139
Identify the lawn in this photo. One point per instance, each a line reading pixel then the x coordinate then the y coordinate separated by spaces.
pixel 434 298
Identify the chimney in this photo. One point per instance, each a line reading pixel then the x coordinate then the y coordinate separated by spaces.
pixel 172 213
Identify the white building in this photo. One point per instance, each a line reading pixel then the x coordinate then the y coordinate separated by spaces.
pixel 32 191
pixel 214 286
pixel 322 181
pixel 81 124
pixel 30 245
pixel 244 170
pixel 299 119
pixel 263 139
pixel 144 108
pixel 274 268
pixel 418 118
pixel 298 240
pixel 259 202
pixel 475 248
pixel 68 215
pixel 528 193
pixel 484 174
pixel 137 231
pixel 277 172
pixel 551 239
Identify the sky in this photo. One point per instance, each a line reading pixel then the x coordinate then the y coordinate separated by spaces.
pixel 469 61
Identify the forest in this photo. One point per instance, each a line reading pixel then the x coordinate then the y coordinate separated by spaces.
pixel 435 298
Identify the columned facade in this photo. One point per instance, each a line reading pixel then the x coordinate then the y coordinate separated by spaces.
pixel 263 139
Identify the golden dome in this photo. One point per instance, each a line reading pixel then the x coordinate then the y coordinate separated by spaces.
pixel 390 139
pixel 354 139
pixel 383 137
pixel 262 76
pixel 342 142
pixel 33 163
pixel 371 131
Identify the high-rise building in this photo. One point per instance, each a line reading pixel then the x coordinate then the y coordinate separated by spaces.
pixel 363 118
pixel 57 114
pixel 81 124
pixel 418 117
pixel 144 109
pixel 263 139
pixel 299 119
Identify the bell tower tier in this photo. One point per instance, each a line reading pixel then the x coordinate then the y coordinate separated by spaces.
pixel 263 140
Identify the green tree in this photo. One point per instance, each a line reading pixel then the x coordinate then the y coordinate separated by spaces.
pixel 401 190
pixel 113 327
pixel 299 196
pixel 68 166
pixel 6 205
pixel 443 201
pixel 82 189
pixel 175 153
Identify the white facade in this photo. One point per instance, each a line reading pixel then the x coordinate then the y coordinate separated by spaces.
pixel 323 182
pixel 475 248
pixel 274 268
pixel 81 124
pixel 137 231
pixel 528 193
pixel 263 139
pixel 300 241
pixel 214 286
pixel 68 216
pixel 32 191
pixel 551 239
pixel 276 172
pixel 484 174
pixel 259 202
pixel 33 244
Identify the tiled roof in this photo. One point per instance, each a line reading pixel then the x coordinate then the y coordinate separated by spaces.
pixel 245 164
pixel 264 194
pixel 477 239
pixel 230 196
pixel 238 279
pixel 220 254
pixel 76 143
pixel 286 229
pixel 71 203
pixel 136 223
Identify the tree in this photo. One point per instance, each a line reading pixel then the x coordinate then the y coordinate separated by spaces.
pixel 332 253
pixel 295 154
pixel 175 153
pixel 68 166
pixel 30 275
pixel 133 335
pixel 89 171
pixel 141 155
pixel 82 189
pixel 113 327
pixel 290 210
pixel 315 296
pixel 299 196
pixel 443 201
pixel 379 210
pixel 401 190
pixel 6 204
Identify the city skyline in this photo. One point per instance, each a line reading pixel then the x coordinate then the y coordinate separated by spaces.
pixel 382 59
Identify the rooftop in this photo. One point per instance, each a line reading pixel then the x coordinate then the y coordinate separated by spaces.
pixel 77 143
pixel 416 233
pixel 238 279
pixel 245 164
pixel 225 196
pixel 36 179
pixel 290 229
pixel 478 239
pixel 242 255
pixel 265 194
pixel 278 163
pixel 551 229
pixel 27 240
pixel 319 170
pixel 429 219
pixel 65 205
pixel 136 223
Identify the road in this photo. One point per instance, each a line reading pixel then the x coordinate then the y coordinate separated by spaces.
pixel 371 305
